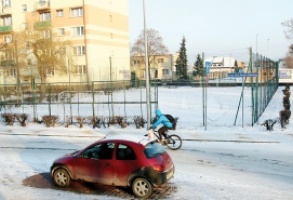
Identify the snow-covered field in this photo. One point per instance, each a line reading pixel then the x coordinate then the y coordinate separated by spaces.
pixel 218 162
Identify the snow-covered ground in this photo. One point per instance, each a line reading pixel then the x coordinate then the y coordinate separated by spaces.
pixel 221 161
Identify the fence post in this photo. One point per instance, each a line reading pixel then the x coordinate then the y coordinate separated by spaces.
pixel 50 100
pixel 93 95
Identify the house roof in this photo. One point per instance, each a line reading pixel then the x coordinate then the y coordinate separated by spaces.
pixel 220 61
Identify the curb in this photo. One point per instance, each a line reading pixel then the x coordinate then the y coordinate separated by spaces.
pixel 53 135
pixel 234 141
pixel 98 136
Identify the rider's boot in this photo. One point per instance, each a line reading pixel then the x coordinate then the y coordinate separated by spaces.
pixel 162 141
pixel 165 142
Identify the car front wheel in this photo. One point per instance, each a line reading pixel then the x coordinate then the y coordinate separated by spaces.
pixel 142 188
pixel 61 177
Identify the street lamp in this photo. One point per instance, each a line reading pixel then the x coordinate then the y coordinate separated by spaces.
pixel 268 47
pixel 256 44
pixel 146 70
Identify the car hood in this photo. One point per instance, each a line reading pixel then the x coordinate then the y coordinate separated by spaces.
pixel 66 157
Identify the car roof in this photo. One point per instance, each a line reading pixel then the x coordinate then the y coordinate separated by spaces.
pixel 129 137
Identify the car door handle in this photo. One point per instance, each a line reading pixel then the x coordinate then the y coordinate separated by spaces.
pixel 107 164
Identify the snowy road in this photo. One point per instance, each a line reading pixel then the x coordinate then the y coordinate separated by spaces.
pixel 204 170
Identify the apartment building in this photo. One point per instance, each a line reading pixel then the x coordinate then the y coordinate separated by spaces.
pixel 94 33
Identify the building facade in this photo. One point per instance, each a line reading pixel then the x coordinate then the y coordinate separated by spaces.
pixel 285 73
pixel 161 67
pixel 221 66
pixel 94 34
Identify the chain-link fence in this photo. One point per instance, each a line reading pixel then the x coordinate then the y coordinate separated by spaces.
pixel 265 85
pixel 104 101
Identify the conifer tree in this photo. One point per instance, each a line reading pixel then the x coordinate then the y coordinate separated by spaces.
pixel 181 62
pixel 198 69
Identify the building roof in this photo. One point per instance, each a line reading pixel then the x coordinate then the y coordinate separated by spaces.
pixel 219 61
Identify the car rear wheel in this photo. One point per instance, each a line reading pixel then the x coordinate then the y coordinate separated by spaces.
pixel 142 188
pixel 61 177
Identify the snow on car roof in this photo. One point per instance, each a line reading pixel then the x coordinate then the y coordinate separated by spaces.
pixel 130 137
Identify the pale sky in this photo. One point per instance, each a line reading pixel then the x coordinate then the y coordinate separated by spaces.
pixel 216 27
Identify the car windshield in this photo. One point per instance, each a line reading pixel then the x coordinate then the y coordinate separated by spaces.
pixel 74 153
pixel 153 150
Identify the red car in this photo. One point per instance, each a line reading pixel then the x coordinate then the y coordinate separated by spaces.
pixel 137 163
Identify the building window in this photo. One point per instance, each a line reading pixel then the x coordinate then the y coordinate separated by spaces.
pixel 80 69
pixel 62 50
pixel 8 56
pixel 135 62
pixel 111 35
pixel 59 13
pixel 45 16
pixel 6 3
pixel 110 18
pixel 61 31
pixel 76 12
pixel 78 31
pixel 28 45
pixel 165 71
pixel 7 21
pixel 50 72
pixel 24 7
pixel 45 34
pixel 79 50
pixel 12 73
pixel 160 60
pixel 156 73
pixel 7 38
pixel 29 61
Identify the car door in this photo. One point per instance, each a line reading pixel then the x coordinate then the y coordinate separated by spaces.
pixel 95 164
pixel 125 164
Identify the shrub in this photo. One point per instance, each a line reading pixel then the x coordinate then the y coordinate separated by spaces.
pixel 50 121
pixel 80 120
pixel 9 118
pixel 22 119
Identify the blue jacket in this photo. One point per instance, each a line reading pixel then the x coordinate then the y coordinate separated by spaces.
pixel 161 119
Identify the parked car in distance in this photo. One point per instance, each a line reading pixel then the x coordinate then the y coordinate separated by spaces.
pixel 131 162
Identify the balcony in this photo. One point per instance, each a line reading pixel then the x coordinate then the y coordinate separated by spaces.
pixel 42 24
pixel 43 5
pixel 8 63
pixel 4 29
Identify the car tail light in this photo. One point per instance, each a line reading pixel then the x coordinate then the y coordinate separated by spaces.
pixel 158 168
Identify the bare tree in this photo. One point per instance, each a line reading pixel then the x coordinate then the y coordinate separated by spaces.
pixel 289 35
pixel 289 60
pixel 155 45
pixel 289 25
pixel 46 51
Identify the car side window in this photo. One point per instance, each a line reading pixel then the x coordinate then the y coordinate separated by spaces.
pixel 100 151
pixel 125 152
